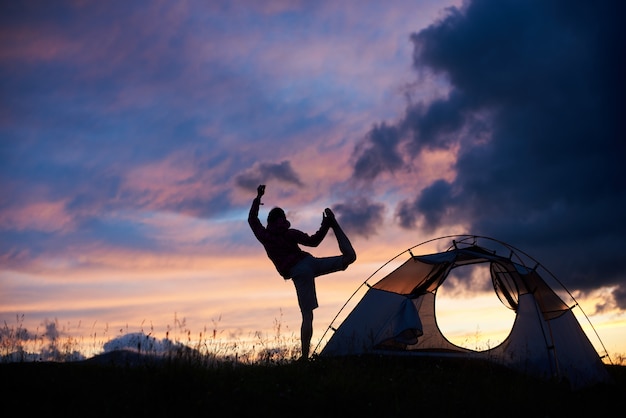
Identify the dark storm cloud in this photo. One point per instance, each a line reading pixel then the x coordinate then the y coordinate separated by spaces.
pixel 378 153
pixel 535 105
pixel 264 172
pixel 360 217
pixel 429 205
pixel 620 296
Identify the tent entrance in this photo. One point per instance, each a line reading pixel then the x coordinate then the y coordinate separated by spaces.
pixel 468 311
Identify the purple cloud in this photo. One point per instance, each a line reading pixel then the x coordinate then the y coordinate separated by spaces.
pixel 533 107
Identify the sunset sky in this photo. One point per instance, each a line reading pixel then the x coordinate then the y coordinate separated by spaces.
pixel 134 134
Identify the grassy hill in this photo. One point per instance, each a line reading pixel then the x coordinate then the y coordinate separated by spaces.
pixel 330 387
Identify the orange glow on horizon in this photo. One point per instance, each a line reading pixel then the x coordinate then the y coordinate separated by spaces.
pixel 236 294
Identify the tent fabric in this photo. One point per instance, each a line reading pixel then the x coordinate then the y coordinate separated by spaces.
pixel 397 315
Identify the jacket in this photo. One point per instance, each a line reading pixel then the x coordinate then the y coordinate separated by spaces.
pixel 281 242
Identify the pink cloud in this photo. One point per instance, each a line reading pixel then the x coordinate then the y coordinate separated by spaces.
pixel 47 216
pixel 41 43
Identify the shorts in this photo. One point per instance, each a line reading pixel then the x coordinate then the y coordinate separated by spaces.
pixel 303 276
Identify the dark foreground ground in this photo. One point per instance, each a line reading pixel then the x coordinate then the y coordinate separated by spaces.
pixel 348 387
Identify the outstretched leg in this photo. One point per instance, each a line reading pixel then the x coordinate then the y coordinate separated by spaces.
pixel 306 333
pixel 348 253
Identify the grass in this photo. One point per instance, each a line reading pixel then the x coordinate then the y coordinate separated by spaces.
pixel 204 375
pixel 55 342
pixel 342 387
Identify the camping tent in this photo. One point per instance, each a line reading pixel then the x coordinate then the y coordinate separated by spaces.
pixel 397 313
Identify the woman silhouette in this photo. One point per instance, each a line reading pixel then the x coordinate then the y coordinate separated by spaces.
pixel 281 243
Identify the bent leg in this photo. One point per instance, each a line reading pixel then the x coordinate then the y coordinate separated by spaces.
pixel 348 253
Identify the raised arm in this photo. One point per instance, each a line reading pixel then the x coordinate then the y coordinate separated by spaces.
pixel 253 215
pixel 315 239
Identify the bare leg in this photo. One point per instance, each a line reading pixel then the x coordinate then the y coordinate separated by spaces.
pixel 306 333
pixel 349 255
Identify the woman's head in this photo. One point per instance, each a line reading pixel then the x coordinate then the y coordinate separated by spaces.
pixel 276 214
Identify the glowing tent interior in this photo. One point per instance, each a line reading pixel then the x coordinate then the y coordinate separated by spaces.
pixel 396 316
